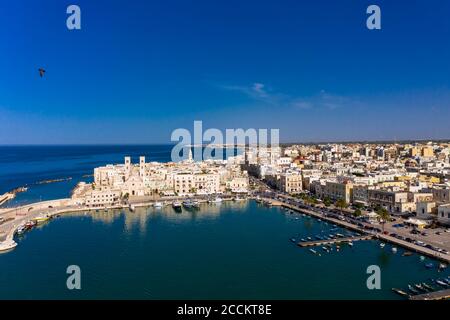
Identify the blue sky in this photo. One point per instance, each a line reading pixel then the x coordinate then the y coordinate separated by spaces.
pixel 137 70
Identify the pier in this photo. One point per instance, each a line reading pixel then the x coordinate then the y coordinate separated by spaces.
pixel 331 241
pixel 437 295
pixel 387 238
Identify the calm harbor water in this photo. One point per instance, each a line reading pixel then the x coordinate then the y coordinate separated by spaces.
pixel 233 250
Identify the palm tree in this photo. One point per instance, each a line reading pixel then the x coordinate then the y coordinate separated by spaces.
pixel 384 216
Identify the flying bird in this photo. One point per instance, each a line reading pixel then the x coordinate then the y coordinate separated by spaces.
pixel 41 72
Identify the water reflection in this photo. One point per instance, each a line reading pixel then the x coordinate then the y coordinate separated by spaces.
pixel 142 216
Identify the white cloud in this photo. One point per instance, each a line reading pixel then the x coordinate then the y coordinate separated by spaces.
pixel 323 100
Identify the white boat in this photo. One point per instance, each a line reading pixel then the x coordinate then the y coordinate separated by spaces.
pixel 350 244
pixel 382 245
pixel 176 204
pixel 394 249
pixel 132 208
pixel 187 203
pixel 21 229
pixel 158 205
pixel 441 283
pixel 313 251
pixel 216 200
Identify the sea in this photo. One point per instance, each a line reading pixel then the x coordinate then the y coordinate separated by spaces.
pixel 232 250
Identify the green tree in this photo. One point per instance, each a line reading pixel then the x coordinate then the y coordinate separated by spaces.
pixel 383 215
pixel 341 204
pixel 357 213
pixel 327 202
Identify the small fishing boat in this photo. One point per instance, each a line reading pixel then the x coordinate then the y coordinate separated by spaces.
pixel 313 251
pixel 292 239
pixel 400 292
pixel 429 265
pixel 407 254
pixel 442 266
pixel 419 286
pixel 21 229
pixel 215 200
pixel 158 205
pixel 29 225
pixel 441 283
pixel 394 249
pixel 382 245
pixel 176 205
pixel 422 258
pixel 430 288
pixel 309 238
pixel 132 207
pixel 187 203
pixel 350 244
pixel 41 218
pixel 412 289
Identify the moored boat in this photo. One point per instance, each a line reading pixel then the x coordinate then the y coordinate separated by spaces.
pixel 176 205
pixel 21 229
pixel 400 292
pixel 215 200
pixel 187 203
pixel 41 218
pixel 158 205
pixel 430 288
pixel 412 289
pixel 30 224
pixel 419 286
pixel 441 283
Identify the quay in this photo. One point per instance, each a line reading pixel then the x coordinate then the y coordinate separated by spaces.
pixel 437 295
pixel 331 241
pixel 387 238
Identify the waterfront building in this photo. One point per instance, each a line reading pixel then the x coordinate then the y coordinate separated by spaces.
pixel 114 183
pixel 444 214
